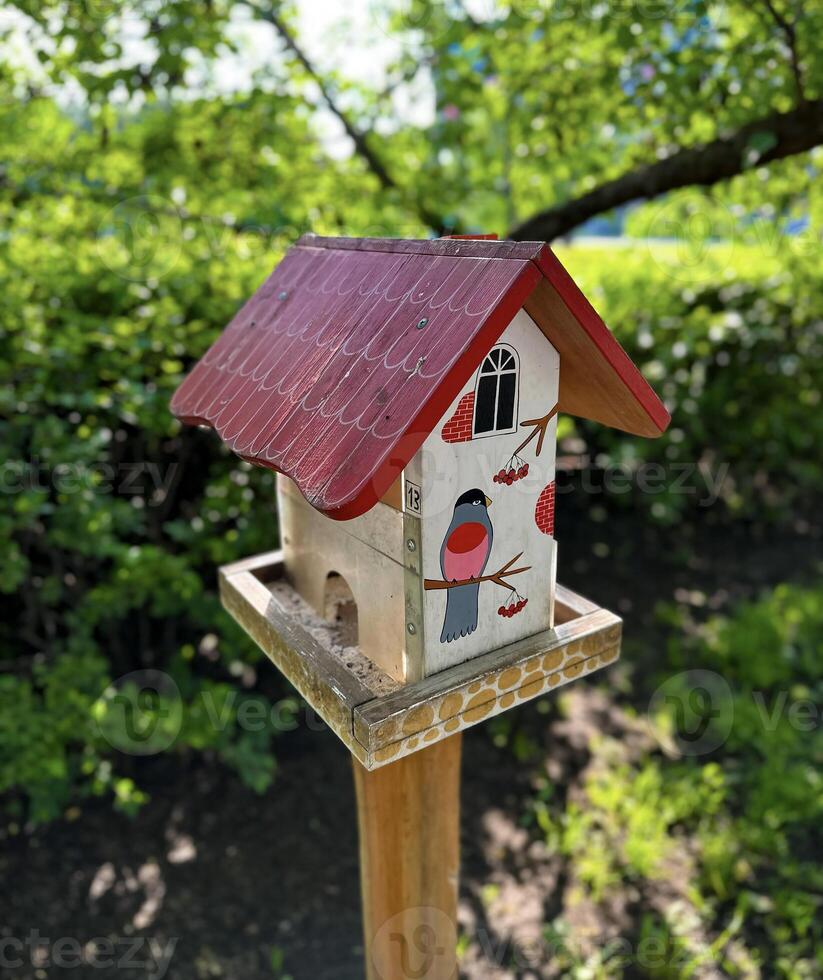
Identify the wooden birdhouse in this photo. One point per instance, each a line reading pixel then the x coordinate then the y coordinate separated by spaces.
pixel 406 392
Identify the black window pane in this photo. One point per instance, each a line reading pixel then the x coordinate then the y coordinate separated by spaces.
pixel 484 404
pixel 505 401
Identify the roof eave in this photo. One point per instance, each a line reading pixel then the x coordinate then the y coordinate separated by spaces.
pixel 598 379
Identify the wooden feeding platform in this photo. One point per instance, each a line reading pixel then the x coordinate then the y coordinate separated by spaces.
pixel 381 720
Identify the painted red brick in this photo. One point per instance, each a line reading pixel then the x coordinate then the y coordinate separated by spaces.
pixel 459 426
pixel 544 510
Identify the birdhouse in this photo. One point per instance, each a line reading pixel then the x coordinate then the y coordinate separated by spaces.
pixel 407 394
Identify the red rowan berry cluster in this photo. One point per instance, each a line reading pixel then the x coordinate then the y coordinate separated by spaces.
pixel 514 470
pixel 513 605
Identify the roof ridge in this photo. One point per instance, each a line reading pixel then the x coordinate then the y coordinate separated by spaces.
pixel 477 248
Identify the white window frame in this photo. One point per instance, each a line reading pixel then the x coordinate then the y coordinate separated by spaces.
pixel 498 372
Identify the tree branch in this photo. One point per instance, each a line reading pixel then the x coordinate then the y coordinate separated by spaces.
pixel 499 577
pixel 539 426
pixel 789 32
pixel 359 138
pixel 774 137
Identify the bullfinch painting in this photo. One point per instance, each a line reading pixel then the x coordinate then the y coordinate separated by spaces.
pixel 463 555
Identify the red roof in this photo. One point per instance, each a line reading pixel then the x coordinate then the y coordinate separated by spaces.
pixel 349 354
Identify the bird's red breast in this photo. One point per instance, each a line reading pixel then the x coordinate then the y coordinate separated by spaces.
pixel 467 548
pixel 466 537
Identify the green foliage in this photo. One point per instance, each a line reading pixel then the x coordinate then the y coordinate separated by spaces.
pixel 115 522
pixel 132 233
pixel 277 962
pixel 624 830
pixel 538 103
pixel 143 196
pixel 737 356
pixel 732 836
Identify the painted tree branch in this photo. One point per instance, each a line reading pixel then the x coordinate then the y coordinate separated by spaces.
pixel 539 429
pixel 774 137
pixel 499 577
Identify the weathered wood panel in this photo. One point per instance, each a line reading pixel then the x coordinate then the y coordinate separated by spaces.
pixel 598 380
pixel 326 684
pixel 432 709
pixel 381 528
pixel 568 605
pixel 367 552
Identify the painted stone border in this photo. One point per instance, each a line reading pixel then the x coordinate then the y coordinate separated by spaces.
pixel 414 726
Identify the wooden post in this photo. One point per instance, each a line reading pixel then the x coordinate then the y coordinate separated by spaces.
pixel 408 815
pixel 405 742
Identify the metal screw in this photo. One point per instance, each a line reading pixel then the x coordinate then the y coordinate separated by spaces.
pixel 283 294
pixel 422 322
pixel 411 544
pixel 411 628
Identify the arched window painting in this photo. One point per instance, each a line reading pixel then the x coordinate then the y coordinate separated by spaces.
pixel 495 401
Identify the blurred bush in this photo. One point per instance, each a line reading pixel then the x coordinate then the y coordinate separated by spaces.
pixel 732 338
pixel 114 521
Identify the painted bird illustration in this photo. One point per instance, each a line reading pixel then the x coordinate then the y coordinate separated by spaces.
pixel 463 554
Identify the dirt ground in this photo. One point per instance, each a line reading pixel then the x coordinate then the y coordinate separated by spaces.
pixel 211 880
